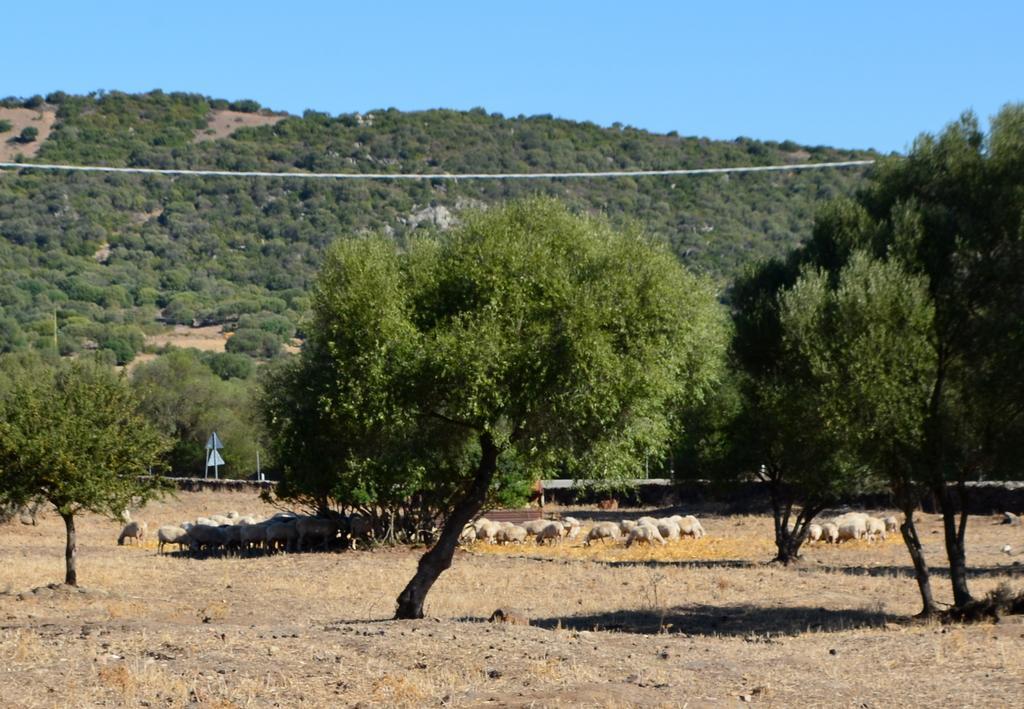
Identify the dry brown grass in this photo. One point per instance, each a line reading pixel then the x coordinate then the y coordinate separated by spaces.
pixel 699 622
pixel 42 119
pixel 223 123
pixel 211 338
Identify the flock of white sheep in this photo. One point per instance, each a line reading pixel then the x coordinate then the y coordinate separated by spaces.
pixel 235 533
pixel 645 530
pixel 287 531
pixel 852 526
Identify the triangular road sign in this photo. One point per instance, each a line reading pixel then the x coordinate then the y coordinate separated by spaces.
pixel 213 442
pixel 213 458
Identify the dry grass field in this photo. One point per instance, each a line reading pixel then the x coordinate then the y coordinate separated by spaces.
pixel 20 118
pixel 695 624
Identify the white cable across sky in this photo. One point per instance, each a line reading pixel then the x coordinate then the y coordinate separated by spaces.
pixel 436 176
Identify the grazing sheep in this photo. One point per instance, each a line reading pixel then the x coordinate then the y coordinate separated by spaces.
pixel 570 522
pixel 644 533
pixel 626 526
pixel 689 526
pixel 132 530
pixel 814 533
pixel 830 532
pixel 602 531
pixel 552 531
pixel 533 526
pixel 468 535
pixel 310 528
pixel 488 531
pixel 573 532
pixel 874 529
pixel 891 523
pixel 232 535
pixel 169 534
pixel 649 521
pixel 281 536
pixel 359 528
pixel 480 522
pixel 252 536
pixel 668 529
pixel 205 521
pixel 513 534
pixel 852 529
pixel 221 520
pixel 205 537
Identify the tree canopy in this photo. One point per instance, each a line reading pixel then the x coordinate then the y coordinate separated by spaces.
pixel 526 333
pixel 72 435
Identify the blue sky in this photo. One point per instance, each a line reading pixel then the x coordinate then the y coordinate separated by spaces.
pixel 857 74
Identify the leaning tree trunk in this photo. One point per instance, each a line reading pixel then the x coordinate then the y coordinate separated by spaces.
pixel 913 542
pixel 434 562
pixel 70 550
pixel 954 535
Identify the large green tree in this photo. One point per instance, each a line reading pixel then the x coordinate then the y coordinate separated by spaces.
pixel 72 435
pixel 952 213
pixel 527 333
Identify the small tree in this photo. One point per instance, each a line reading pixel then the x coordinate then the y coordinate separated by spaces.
pixel 781 433
pixel 867 341
pixel 72 435
pixel 527 335
pixel 28 134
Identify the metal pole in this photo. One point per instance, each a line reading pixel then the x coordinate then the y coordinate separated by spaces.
pixel 259 473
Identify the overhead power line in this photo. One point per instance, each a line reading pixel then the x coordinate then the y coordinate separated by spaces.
pixel 437 176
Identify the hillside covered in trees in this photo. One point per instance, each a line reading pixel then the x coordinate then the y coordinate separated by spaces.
pixel 101 260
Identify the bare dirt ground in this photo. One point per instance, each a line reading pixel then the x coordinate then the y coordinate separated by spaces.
pixel 696 624
pixel 223 123
pixel 20 119
pixel 211 338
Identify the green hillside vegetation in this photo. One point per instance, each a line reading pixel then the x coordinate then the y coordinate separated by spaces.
pixel 115 257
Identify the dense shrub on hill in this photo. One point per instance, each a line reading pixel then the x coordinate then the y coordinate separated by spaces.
pixel 213 250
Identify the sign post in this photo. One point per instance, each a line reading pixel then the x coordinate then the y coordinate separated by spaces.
pixel 213 446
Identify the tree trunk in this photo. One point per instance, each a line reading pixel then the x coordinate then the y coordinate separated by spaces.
pixel 954 535
pixel 70 550
pixel 788 541
pixel 913 543
pixel 434 562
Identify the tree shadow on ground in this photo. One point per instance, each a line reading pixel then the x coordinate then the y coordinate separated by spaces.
pixel 908 571
pixel 748 621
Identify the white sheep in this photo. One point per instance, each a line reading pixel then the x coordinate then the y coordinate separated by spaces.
pixel 874 528
pixel 169 534
pixel 668 529
pixel 480 522
pixel 855 528
pixel 891 523
pixel 513 534
pixel 830 532
pixel 650 521
pixel 602 531
pixel 644 533
pixel 689 526
pixel 533 526
pixel 468 535
pixel 552 531
pixel 133 530
pixel 814 532
pixel 488 531
pixel 627 525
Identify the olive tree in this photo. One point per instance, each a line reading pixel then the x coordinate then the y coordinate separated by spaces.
pixel 866 338
pixel 952 213
pixel 72 435
pixel 526 333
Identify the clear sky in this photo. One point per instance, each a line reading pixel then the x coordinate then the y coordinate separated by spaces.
pixel 859 74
